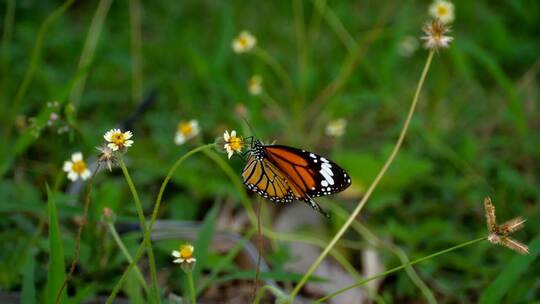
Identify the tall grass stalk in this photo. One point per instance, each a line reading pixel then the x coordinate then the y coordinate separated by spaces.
pixel 142 221
pixel 157 204
pixel 383 274
pixel 136 57
pixel 373 185
pixel 89 48
pixel 9 19
pixel 34 61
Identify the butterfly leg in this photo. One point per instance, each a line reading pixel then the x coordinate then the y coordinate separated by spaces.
pixel 313 204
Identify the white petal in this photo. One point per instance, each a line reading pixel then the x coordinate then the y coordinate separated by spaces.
pixel 237 46
pixel 179 138
pixel 175 253
pixel 128 134
pixel 226 135
pixel 67 166
pixel 178 261
pixel 86 174
pixel 128 143
pixel 108 135
pixel 76 156
pixel 233 133
pixel 72 176
pixel 191 260
pixel 113 147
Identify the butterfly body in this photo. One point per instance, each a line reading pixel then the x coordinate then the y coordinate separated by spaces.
pixel 284 174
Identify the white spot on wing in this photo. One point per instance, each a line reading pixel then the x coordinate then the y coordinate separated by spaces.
pixel 326 172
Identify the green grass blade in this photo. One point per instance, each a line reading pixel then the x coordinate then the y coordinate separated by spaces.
pixel 510 275
pixel 28 293
pixel 132 288
pixel 56 270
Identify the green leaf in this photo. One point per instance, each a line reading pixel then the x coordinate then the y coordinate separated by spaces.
pixel 55 271
pixel 28 293
pixel 508 277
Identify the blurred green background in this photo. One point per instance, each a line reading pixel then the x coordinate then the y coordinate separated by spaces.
pixel 475 132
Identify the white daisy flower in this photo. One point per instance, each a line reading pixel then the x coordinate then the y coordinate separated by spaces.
pixel 442 10
pixel 76 167
pixel 184 255
pixel 244 42
pixel 233 143
pixel 118 140
pixel 255 85
pixel 336 128
pixel 186 131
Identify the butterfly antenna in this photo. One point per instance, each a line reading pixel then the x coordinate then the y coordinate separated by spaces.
pixel 249 126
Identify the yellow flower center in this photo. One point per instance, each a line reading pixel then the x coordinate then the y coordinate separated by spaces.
pixel 243 41
pixel 78 167
pixel 236 143
pixel 185 128
pixel 186 252
pixel 118 139
pixel 442 10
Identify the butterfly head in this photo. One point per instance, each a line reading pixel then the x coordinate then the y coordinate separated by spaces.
pixel 257 149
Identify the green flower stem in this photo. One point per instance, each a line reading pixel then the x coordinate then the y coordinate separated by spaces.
pixel 373 185
pixel 126 254
pixel 140 250
pixel 142 222
pixel 383 274
pixel 278 69
pixel 191 287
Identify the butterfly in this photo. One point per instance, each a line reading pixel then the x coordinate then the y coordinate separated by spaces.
pixel 285 174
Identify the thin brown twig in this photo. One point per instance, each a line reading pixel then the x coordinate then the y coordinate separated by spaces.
pixel 87 202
